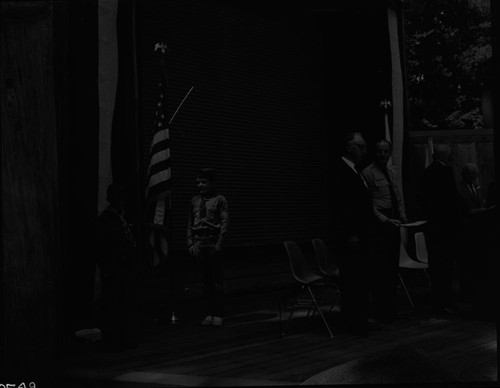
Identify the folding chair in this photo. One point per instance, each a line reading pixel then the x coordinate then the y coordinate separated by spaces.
pixel 408 261
pixel 327 267
pixel 308 281
pixel 421 248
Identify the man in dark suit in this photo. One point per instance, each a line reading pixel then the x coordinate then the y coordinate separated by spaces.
pixel 471 193
pixel 117 264
pixel 473 239
pixel 440 203
pixel 353 219
pixel 388 205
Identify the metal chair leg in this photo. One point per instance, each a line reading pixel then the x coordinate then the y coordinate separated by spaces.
pixel 336 301
pixel 319 310
pixel 291 312
pixel 427 277
pixel 406 290
pixel 282 307
pixel 279 320
pixel 311 310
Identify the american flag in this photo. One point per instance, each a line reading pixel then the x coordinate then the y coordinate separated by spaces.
pixel 159 174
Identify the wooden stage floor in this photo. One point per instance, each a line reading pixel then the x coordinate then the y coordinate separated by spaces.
pixel 248 351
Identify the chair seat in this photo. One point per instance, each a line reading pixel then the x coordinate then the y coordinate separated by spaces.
pixel 408 261
pixel 333 273
pixel 327 265
pixel 421 248
pixel 311 277
pixel 310 282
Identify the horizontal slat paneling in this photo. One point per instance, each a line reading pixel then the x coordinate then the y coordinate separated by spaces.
pixel 253 115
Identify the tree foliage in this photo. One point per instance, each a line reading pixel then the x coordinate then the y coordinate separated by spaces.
pixel 448 51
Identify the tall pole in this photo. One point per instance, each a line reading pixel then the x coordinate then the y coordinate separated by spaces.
pixel 495 14
pixel 385 104
pixel 173 317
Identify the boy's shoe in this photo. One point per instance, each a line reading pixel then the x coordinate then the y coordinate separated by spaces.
pixel 207 321
pixel 217 321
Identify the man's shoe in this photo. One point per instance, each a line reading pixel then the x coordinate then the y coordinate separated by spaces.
pixel 207 321
pixel 217 321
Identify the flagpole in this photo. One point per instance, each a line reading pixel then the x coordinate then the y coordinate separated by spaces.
pixel 386 104
pixel 159 173
pixel 174 319
pixel 166 254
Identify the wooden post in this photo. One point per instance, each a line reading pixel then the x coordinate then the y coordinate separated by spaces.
pixel 30 200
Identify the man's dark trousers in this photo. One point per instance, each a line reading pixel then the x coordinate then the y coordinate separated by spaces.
pixel 212 270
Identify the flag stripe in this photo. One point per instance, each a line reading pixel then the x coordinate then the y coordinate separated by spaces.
pixel 158 182
pixel 159 215
pixel 159 191
pixel 159 166
pixel 158 157
pixel 159 137
pixel 161 146
pixel 159 177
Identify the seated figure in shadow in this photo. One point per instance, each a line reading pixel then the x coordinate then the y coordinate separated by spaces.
pixel 116 261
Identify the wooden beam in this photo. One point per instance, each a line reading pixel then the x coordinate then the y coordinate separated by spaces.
pixel 453 136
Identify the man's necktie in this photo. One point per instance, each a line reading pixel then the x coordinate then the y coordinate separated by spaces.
pixel 127 230
pixel 361 176
pixel 474 194
pixel 203 209
pixel 394 200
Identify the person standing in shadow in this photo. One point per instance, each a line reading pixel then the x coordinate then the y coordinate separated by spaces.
pixel 206 232
pixel 353 219
pixel 389 208
pixel 492 194
pixel 116 261
pixel 440 204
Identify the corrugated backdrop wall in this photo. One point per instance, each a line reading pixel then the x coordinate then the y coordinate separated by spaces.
pixel 254 115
